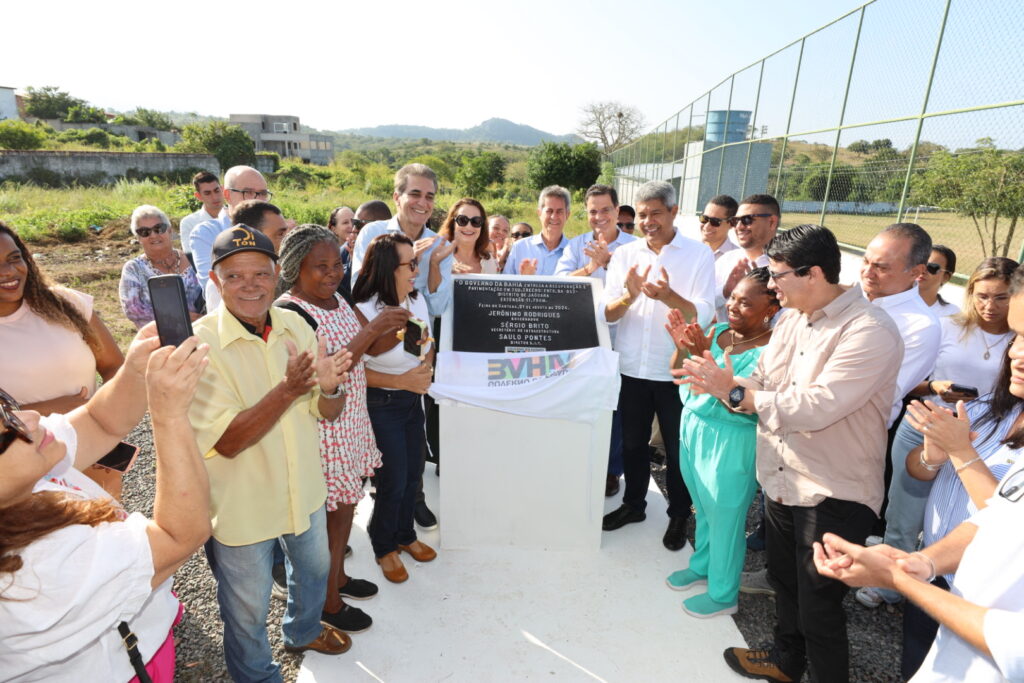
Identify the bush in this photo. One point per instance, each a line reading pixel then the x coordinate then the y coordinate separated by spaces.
pixel 93 137
pixel 83 113
pixel 15 134
pixel 230 144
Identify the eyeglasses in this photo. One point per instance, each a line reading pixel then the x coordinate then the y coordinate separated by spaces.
pixel 715 222
pixel 414 265
pixel 13 427
pixel 797 271
pixel 749 218
pixel 158 229
pixel 475 221
pixel 1012 489
pixel 358 223
pixel 520 235
pixel 625 226
pixel 934 268
pixel 265 195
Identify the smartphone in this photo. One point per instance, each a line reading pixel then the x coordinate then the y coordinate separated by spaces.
pixel 170 309
pixel 120 459
pixel 966 390
pixel 415 331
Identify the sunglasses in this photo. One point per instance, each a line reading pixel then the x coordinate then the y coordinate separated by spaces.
pixel 475 221
pixel 625 226
pixel 358 223
pixel 715 222
pixel 934 268
pixel 797 271
pixel 13 427
pixel 158 229
pixel 414 265
pixel 520 235
pixel 749 218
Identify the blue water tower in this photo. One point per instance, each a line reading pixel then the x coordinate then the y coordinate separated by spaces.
pixel 719 131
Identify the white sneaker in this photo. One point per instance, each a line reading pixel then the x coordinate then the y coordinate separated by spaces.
pixel 756 583
pixel 872 597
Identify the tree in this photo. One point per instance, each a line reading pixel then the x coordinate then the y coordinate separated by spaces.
pixel 230 144
pixel 859 147
pixel 558 163
pixel 477 173
pixel 985 184
pixel 610 124
pixel 16 134
pixel 153 119
pixel 49 102
pixel 84 113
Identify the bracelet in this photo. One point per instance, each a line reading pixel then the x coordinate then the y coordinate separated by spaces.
pixel 968 464
pixel 626 300
pixel 931 563
pixel 337 393
pixel 930 390
pixel 927 465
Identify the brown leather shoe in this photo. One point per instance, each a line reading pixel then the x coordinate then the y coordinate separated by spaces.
pixel 759 663
pixel 611 485
pixel 421 552
pixel 391 565
pixel 331 641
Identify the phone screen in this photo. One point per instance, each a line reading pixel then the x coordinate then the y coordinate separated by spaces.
pixel 170 308
pixel 120 459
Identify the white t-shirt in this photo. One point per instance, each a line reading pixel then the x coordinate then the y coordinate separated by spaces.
pixel 59 619
pixel 990 575
pixel 962 360
pixel 396 360
pixel 941 310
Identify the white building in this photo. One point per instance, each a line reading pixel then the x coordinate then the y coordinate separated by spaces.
pixel 8 103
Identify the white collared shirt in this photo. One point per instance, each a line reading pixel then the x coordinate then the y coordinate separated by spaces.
pixel 645 347
pixel 573 257
pixel 922 337
pixel 723 268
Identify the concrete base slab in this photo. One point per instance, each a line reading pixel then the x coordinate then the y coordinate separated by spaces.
pixel 516 614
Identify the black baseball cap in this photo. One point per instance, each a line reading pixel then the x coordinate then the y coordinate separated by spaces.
pixel 239 238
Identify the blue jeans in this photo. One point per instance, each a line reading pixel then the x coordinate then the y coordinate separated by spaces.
pixel 243 593
pixel 397 419
pixel 908 497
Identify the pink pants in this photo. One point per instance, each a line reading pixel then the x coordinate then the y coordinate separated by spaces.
pixel 160 667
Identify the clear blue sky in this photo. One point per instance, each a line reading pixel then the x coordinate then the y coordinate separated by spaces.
pixel 351 64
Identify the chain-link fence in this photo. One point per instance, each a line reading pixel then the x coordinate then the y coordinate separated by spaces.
pixel 900 110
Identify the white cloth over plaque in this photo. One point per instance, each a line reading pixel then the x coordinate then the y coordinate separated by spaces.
pixel 560 385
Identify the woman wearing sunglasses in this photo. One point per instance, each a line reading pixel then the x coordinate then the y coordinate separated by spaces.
pixel 80 578
pixel 940 268
pixel 466 226
pixel 970 356
pixel 152 228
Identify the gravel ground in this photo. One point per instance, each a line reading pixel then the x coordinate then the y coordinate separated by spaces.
pixel 874 634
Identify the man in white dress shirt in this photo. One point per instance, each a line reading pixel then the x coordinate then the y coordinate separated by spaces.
pixel 645 279
pixel 209 192
pixel 756 222
pixel 539 254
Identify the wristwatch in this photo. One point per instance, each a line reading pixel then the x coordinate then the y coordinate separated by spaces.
pixel 736 395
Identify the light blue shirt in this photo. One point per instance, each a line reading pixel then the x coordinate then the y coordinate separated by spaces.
pixel 534 247
pixel 573 257
pixel 201 241
pixel 437 302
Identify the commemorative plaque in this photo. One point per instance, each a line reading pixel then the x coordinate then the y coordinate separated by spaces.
pixel 511 315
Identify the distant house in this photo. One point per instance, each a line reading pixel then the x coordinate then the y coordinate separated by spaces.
pixel 280 134
pixel 8 103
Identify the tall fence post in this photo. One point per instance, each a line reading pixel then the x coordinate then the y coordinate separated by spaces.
pixel 789 118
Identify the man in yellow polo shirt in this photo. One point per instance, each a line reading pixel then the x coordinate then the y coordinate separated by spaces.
pixel 255 416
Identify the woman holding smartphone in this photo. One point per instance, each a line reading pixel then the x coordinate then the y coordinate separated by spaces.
pixel 397 380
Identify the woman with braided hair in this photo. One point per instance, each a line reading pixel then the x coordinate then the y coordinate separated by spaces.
pixel 311 270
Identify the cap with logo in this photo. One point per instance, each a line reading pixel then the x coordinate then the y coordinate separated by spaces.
pixel 239 238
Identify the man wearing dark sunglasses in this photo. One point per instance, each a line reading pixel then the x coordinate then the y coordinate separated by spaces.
pixel 627 219
pixel 980 620
pixel 715 222
pixel 756 222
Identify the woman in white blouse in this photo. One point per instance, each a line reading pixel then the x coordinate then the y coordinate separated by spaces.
pixel 74 566
pixel 466 226
pixel 940 268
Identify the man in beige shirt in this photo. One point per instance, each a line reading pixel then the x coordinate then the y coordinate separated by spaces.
pixel 822 391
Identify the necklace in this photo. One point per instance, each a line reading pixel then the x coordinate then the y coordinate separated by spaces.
pixel 728 349
pixel 988 347
pixel 166 263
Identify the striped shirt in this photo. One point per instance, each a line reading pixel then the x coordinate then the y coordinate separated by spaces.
pixel 949 504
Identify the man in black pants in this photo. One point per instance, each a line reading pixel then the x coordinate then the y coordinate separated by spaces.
pixel 645 278
pixel 822 391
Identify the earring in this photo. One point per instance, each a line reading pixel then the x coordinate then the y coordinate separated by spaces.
pixel 767 320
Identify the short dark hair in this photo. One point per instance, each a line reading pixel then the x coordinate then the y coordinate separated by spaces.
pixel 375 210
pixel 805 246
pixel 949 254
pixel 202 178
pixel 726 202
pixel 252 212
pixel 598 190
pixel 763 200
pixel 626 208
pixel 377 275
pixel 920 241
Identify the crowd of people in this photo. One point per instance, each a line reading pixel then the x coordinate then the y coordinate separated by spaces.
pixel 880 422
